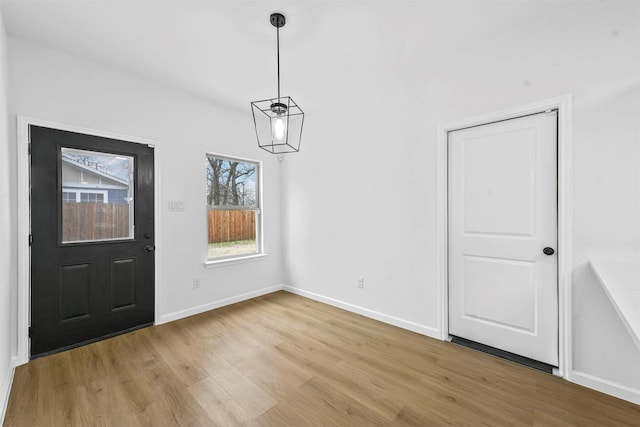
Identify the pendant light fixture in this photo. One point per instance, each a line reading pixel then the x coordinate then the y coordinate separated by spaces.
pixel 278 121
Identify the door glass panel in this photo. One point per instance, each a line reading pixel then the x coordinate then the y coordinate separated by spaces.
pixel 96 196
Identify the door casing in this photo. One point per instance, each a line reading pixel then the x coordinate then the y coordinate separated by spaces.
pixel 564 106
pixel 24 253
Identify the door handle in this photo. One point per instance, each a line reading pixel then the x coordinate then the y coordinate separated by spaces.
pixel 548 251
pixel 149 248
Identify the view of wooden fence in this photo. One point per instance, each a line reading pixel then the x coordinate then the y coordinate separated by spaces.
pixel 231 225
pixel 94 221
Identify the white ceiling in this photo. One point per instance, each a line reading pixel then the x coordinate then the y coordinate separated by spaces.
pixel 224 51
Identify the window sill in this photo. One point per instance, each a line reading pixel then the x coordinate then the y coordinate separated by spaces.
pixel 231 261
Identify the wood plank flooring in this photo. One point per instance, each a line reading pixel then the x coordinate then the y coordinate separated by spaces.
pixel 284 360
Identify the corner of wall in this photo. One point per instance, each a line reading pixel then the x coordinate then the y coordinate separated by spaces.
pixel 5 392
pixel 8 267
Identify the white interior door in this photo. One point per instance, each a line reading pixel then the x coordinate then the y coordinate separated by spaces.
pixel 503 287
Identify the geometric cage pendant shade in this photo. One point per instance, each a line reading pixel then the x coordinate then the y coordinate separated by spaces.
pixel 278 124
pixel 278 121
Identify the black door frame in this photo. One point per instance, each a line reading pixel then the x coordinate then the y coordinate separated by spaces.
pixel 24 226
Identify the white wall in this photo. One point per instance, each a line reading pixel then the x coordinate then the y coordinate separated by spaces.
pixel 360 198
pixel 8 264
pixel 50 85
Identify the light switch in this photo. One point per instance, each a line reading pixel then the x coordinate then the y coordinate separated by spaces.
pixel 176 206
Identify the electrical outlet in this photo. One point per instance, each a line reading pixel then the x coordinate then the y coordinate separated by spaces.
pixel 361 282
pixel 196 283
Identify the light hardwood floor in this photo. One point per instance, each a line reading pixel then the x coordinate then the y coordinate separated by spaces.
pixel 284 360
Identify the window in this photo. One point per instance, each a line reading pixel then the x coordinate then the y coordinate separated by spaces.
pixel 97 195
pixel 91 197
pixel 69 197
pixel 84 196
pixel 233 207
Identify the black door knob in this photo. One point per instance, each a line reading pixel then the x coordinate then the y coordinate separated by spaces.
pixel 548 251
pixel 149 248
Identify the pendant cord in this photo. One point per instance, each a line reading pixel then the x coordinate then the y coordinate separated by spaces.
pixel 278 49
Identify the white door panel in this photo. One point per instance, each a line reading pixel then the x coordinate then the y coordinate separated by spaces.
pixel 502 214
pixel 492 204
pixel 514 284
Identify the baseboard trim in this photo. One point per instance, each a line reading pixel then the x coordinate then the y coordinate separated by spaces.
pixel 605 386
pixel 385 318
pixel 392 320
pixel 6 389
pixel 170 317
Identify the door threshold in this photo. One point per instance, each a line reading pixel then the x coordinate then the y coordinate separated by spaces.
pixel 512 357
pixel 91 341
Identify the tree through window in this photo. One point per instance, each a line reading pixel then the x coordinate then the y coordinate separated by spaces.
pixel 233 207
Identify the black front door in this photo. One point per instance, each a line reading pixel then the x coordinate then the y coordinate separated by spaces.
pixel 92 251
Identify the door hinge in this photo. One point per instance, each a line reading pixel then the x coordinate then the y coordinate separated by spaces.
pixel 30 239
pixel 29 148
pixel 30 332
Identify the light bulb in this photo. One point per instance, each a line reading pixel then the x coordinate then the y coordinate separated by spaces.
pixel 279 128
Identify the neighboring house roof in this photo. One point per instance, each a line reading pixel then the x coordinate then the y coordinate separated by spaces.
pixel 72 162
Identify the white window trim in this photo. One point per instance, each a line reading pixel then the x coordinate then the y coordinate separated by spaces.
pixel 240 259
